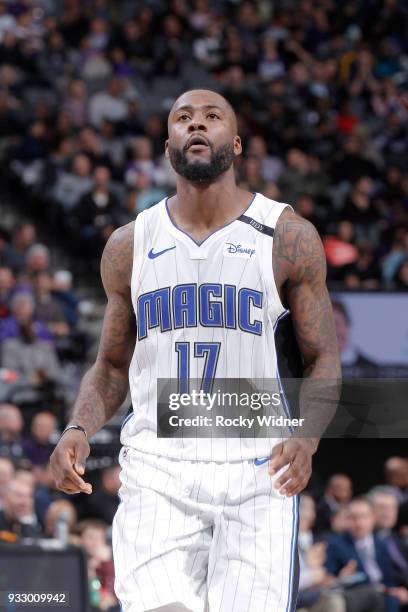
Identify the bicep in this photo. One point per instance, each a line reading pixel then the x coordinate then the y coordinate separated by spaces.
pixel 118 331
pixel 310 306
pixel 119 325
pixel 307 295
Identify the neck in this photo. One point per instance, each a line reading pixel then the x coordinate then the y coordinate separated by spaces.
pixel 208 206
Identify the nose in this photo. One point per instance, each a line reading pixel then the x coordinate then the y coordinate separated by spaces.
pixel 195 126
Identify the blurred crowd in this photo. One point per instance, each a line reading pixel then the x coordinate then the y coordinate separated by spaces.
pixel 31 508
pixel 353 550
pixel 319 87
pixel 41 346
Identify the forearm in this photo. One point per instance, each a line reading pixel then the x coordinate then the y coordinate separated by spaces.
pixel 102 392
pixel 319 395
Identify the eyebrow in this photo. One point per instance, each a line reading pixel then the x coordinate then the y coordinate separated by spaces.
pixel 203 107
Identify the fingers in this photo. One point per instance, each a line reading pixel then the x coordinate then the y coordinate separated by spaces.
pixel 68 464
pixel 81 454
pixel 278 458
pixel 294 479
pixel 70 482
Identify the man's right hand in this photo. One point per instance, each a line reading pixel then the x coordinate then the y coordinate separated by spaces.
pixel 68 463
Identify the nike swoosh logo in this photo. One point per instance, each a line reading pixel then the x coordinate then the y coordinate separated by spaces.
pixel 261 461
pixel 152 255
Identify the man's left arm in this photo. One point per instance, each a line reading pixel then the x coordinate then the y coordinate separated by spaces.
pixel 300 270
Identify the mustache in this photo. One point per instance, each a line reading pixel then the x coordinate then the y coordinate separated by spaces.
pixel 188 143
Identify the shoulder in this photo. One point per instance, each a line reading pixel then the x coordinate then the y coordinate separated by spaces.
pixel 297 249
pixel 379 543
pixel 295 235
pixel 339 541
pixel 117 258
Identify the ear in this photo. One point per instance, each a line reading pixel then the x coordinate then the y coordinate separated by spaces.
pixel 237 145
pixel 166 149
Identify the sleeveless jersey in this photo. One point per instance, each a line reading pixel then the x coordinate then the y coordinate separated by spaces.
pixel 220 292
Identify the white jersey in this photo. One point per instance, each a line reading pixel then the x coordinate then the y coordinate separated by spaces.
pixel 220 293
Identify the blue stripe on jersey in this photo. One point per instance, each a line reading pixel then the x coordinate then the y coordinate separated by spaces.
pixel 129 416
pixel 294 561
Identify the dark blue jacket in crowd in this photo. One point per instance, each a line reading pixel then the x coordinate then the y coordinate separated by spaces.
pixel 341 549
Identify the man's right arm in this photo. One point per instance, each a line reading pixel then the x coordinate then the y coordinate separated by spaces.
pixel 104 387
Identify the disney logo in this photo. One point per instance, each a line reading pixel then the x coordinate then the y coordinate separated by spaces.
pixel 239 248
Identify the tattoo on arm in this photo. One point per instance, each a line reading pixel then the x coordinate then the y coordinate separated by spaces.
pixel 299 265
pixel 104 387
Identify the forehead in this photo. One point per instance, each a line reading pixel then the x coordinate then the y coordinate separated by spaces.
pixel 360 508
pixel 198 99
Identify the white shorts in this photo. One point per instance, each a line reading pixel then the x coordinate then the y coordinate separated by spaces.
pixel 197 536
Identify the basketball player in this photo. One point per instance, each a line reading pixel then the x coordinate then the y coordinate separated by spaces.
pixel 203 524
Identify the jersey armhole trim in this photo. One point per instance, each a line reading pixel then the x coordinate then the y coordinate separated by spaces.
pixel 275 288
pixel 138 251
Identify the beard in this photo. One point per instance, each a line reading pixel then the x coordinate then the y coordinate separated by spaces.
pixel 202 171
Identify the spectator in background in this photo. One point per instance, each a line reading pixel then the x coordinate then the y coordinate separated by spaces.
pixel 7 282
pixel 147 194
pixel 7 21
pixel 397 254
pixel 141 162
pixel 24 474
pixel 70 186
pixel 11 429
pixel 306 207
pixel 96 211
pixel 109 104
pixel 401 276
pixel 314 582
pixel 40 444
pixel 47 308
pixel 385 506
pixel 360 210
pixel 364 272
pixel 352 164
pixel 64 293
pixel 114 147
pixel 37 260
pixel 338 493
pixel 271 167
pixel 128 210
pixel 90 144
pixel 23 238
pixel 22 313
pixel 100 562
pixel 293 179
pixel 45 492
pixel 339 521
pixel 361 546
pixel 18 514
pixel 6 476
pixel 27 351
pixel 104 502
pixel 66 509
pixel 396 475
pixel 75 103
pixel 251 175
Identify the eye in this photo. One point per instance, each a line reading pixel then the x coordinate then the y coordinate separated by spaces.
pixel 183 117
pixel 213 116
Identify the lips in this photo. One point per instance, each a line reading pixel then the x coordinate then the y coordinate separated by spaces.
pixel 197 140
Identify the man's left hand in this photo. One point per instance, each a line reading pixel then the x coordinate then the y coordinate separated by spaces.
pixel 298 454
